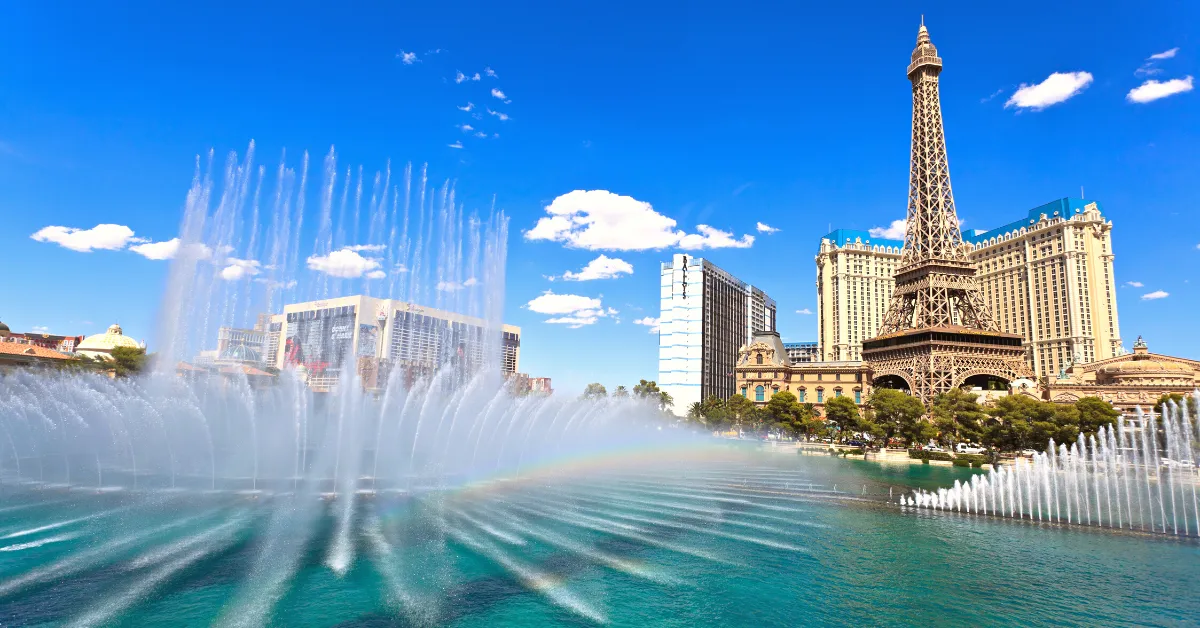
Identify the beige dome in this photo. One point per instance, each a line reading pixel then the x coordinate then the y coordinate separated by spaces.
pixel 101 345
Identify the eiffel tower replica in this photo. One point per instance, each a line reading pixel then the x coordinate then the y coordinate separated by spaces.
pixel 938 331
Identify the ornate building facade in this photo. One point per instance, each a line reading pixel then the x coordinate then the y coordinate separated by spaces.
pixel 1127 381
pixel 1047 277
pixel 855 280
pixel 763 369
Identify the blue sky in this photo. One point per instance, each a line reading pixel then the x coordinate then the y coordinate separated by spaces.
pixel 712 114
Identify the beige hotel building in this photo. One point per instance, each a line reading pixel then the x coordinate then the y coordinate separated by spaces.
pixel 1048 277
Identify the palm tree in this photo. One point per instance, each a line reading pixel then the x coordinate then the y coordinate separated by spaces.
pixel 696 412
pixel 664 400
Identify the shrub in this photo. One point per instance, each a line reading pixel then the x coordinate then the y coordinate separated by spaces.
pixel 973 459
pixel 977 465
pixel 959 462
pixel 857 451
pixel 922 454
pixel 924 460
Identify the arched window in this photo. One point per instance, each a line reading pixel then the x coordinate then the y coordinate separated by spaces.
pixel 758 358
pixel 758 393
pixel 858 396
pixel 743 391
pixel 802 395
pixel 820 395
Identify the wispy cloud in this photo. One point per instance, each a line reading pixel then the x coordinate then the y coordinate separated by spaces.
pixel 459 77
pixel 1153 90
pixel 1166 54
pixel 1057 88
pixel 457 144
pixel 235 269
pixel 490 72
pixel 466 128
pixel 992 96
pixel 41 329
pixel 894 231
pixel 469 106
pixel 1157 294
pixel 652 323
pixel 765 228
pixel 502 116
pixel 1134 284
pixel 480 134
pixel 804 311
pixel 496 93
pixel 407 58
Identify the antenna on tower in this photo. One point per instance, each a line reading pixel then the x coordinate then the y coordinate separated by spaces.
pixel 922 19
pixel 1081 196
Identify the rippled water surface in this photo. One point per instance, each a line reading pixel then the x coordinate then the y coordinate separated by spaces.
pixel 702 539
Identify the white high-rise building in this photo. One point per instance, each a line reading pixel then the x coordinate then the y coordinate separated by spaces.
pixel 706 316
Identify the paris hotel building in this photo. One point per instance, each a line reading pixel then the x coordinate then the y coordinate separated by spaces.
pixel 1048 277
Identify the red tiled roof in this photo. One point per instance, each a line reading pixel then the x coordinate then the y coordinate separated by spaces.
pixel 33 351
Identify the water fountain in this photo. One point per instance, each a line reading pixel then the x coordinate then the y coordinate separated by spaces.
pixel 439 499
pixel 1140 475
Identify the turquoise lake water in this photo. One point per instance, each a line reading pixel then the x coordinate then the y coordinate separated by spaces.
pixel 707 539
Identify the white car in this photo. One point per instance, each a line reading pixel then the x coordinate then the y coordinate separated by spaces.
pixel 968 448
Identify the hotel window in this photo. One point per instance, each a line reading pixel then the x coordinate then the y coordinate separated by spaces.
pixel 759 393
pixel 858 396
pixel 820 395
pixel 802 395
pixel 758 358
pixel 837 392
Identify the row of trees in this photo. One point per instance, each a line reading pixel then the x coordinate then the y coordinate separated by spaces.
pixel 1014 423
pixel 645 389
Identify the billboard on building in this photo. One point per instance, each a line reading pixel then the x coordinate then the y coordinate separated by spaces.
pixel 320 340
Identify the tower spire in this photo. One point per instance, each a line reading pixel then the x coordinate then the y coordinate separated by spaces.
pixel 936 294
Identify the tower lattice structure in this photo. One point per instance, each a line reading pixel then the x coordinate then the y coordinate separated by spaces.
pixel 938 331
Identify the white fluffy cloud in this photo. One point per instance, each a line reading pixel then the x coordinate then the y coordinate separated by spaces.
pixel 490 72
pixel 459 77
pixel 1134 284
pixel 765 228
pixel 496 93
pixel 344 263
pixel 456 144
pixel 601 220
pixel 1057 87
pixel 1157 294
pixel 376 274
pixel 804 311
pixel 105 237
pixel 572 310
pixel 502 116
pixel 165 249
pixel 894 231
pixel 602 267
pixel 469 106
pixel 407 58
pixel 1153 90
pixel 648 321
pixel 236 269
pixel 41 329
pixel 466 128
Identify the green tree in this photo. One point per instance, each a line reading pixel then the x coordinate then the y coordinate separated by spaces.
pixel 594 391
pixel 1095 413
pixel 665 400
pixel 1162 401
pixel 843 413
pixel 784 406
pixel 620 391
pixel 739 408
pixel 696 412
pixel 127 361
pixel 958 417
pixel 717 416
pixel 646 388
pixel 899 415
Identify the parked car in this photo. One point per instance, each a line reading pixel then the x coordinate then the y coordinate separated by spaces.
pixel 933 447
pixel 968 448
pixel 856 443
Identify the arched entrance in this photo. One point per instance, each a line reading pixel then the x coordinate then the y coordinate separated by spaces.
pixel 893 381
pixel 985 381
